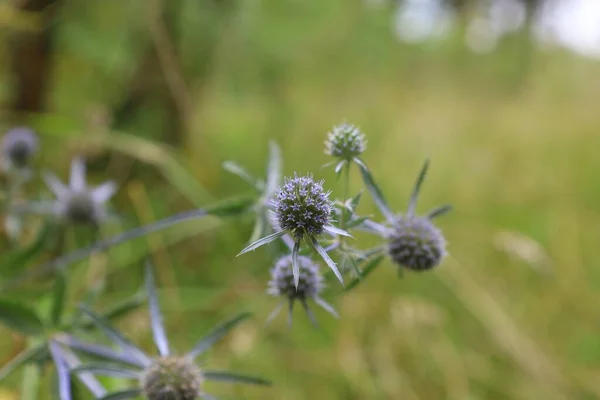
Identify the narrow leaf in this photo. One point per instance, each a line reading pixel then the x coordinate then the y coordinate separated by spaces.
pixel 62 372
pixel 20 318
pixel 326 306
pixel 330 263
pixel 374 190
pixel 21 359
pixel 89 380
pixel 260 242
pixel 238 170
pixel 273 169
pixel 309 313
pixel 105 369
pixel 337 231
pixel 216 334
pixel 339 167
pixel 156 320
pixel 30 384
pixel 439 211
pixel 222 376
pixel 352 204
pixel 58 300
pixel 123 395
pixel 415 194
pixel 353 223
pixel 99 350
pixel 369 267
pixel 116 337
pixel 296 263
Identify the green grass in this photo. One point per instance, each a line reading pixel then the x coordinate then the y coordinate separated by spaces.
pixel 513 151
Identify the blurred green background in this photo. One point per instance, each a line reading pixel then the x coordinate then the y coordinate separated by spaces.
pixel 157 94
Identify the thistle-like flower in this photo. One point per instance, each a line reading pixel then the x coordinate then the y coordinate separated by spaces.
pixel 166 377
pixel 302 208
pixel 171 378
pixel 77 203
pixel 310 286
pixel 414 242
pixel 346 142
pixel 18 146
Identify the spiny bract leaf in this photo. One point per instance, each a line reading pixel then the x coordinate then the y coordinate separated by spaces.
pixel 19 317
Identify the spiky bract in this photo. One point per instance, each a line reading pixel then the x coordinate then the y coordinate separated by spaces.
pixel 18 145
pixel 345 141
pixel 282 279
pixel 172 378
pixel 302 206
pixel 416 243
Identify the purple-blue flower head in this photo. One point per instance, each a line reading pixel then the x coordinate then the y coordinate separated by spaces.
pixel 345 141
pixel 18 146
pixel 77 203
pixel 416 243
pixel 302 206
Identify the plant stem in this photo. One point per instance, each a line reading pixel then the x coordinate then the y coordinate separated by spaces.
pixel 346 191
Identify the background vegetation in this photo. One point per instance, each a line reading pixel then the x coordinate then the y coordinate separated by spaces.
pixel 158 94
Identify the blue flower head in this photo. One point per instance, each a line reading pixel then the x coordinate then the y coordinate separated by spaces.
pixel 18 145
pixel 302 206
pixel 346 142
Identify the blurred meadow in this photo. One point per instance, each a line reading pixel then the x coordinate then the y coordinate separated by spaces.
pixel 158 94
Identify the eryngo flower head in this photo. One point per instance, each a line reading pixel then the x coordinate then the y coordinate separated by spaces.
pixel 345 141
pixel 77 203
pixel 310 286
pixel 171 378
pixel 18 145
pixel 302 206
pixel 416 243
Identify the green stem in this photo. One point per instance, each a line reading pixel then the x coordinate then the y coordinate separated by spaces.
pixel 346 191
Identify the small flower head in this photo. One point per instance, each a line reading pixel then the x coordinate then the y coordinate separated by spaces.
pixel 77 203
pixel 302 206
pixel 310 286
pixel 282 279
pixel 171 378
pixel 346 142
pixel 416 243
pixel 18 145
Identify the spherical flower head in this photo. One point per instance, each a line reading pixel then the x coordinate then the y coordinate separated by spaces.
pixel 171 378
pixel 302 206
pixel 417 244
pixel 282 279
pixel 80 208
pixel 18 145
pixel 345 141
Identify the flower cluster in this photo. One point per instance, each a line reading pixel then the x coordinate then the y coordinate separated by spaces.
pixel 416 243
pixel 302 206
pixel 345 142
pixel 18 146
pixel 171 378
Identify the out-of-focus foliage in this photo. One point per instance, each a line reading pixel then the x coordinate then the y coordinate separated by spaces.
pixel 157 95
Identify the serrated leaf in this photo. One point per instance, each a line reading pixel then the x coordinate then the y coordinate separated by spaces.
pixel 374 190
pixel 19 317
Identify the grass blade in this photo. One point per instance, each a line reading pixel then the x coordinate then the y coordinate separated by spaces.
pixel 229 377
pixel 216 334
pixel 156 320
pixel 261 242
